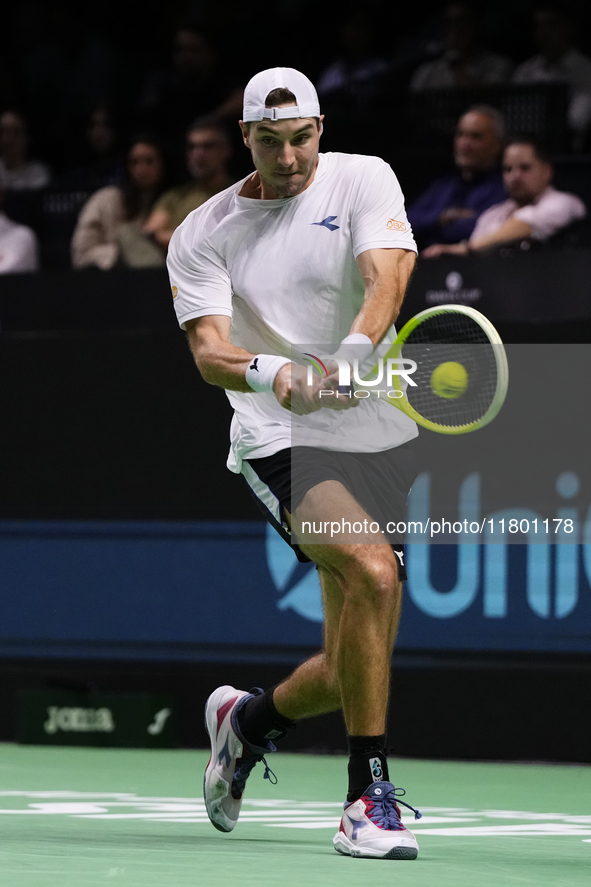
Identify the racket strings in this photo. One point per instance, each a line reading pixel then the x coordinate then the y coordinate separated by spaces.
pixel 450 328
pixel 458 338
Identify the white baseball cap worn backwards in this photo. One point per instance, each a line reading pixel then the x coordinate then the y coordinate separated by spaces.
pixel 259 87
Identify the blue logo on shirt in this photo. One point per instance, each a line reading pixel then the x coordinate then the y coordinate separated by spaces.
pixel 327 223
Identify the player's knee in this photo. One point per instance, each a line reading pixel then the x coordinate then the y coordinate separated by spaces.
pixel 376 579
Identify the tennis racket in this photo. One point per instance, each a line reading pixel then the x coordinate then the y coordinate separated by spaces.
pixel 461 376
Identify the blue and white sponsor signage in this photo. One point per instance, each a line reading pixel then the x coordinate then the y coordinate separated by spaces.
pixel 203 590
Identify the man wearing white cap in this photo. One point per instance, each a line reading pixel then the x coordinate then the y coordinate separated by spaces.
pixel 310 248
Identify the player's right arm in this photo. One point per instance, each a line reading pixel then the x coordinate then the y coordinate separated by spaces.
pixel 218 361
pixel 221 363
pixel 202 293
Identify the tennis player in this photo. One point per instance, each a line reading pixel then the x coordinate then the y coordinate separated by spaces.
pixel 311 248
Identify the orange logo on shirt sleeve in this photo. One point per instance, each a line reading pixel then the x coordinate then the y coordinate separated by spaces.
pixel 175 292
pixel 395 225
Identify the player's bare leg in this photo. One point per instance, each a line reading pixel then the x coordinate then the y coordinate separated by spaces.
pixel 372 593
pixel 316 686
pixel 313 688
pixel 362 598
pixel 362 594
pixel 367 611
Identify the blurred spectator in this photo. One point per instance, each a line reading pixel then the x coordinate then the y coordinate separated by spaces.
pixel 207 153
pixel 447 211
pixel 560 61
pixel 17 172
pixel 534 210
pixel 464 62
pixel 197 84
pixel 109 229
pixel 18 245
pixel 357 71
pixel 66 67
pixel 104 165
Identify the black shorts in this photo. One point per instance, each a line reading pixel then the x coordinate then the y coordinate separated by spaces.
pixel 380 482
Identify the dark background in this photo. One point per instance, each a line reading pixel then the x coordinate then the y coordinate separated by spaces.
pixel 104 416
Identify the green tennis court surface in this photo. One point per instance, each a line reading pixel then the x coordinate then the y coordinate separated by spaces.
pixel 85 817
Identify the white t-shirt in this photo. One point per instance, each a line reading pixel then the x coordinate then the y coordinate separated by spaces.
pixel 31 175
pixel 552 211
pixel 18 247
pixel 284 270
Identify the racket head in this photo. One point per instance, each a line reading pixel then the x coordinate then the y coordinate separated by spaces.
pixel 459 334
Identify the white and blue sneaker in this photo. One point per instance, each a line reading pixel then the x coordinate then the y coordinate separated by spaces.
pixel 232 758
pixel 372 827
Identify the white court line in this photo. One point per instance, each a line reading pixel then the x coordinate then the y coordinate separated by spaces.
pixel 285 813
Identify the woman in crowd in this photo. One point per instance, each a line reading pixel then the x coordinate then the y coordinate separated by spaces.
pixel 17 171
pixel 109 229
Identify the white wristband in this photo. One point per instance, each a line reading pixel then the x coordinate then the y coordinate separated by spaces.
pixel 262 370
pixel 357 345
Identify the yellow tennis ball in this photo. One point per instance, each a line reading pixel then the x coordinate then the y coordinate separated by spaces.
pixel 449 379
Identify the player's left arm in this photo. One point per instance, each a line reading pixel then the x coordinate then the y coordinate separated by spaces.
pixel 384 249
pixel 385 273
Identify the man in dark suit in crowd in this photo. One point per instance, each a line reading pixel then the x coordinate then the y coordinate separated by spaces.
pixel 447 211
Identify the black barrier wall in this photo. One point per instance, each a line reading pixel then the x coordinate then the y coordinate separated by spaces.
pixel 539 286
pixel 113 426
